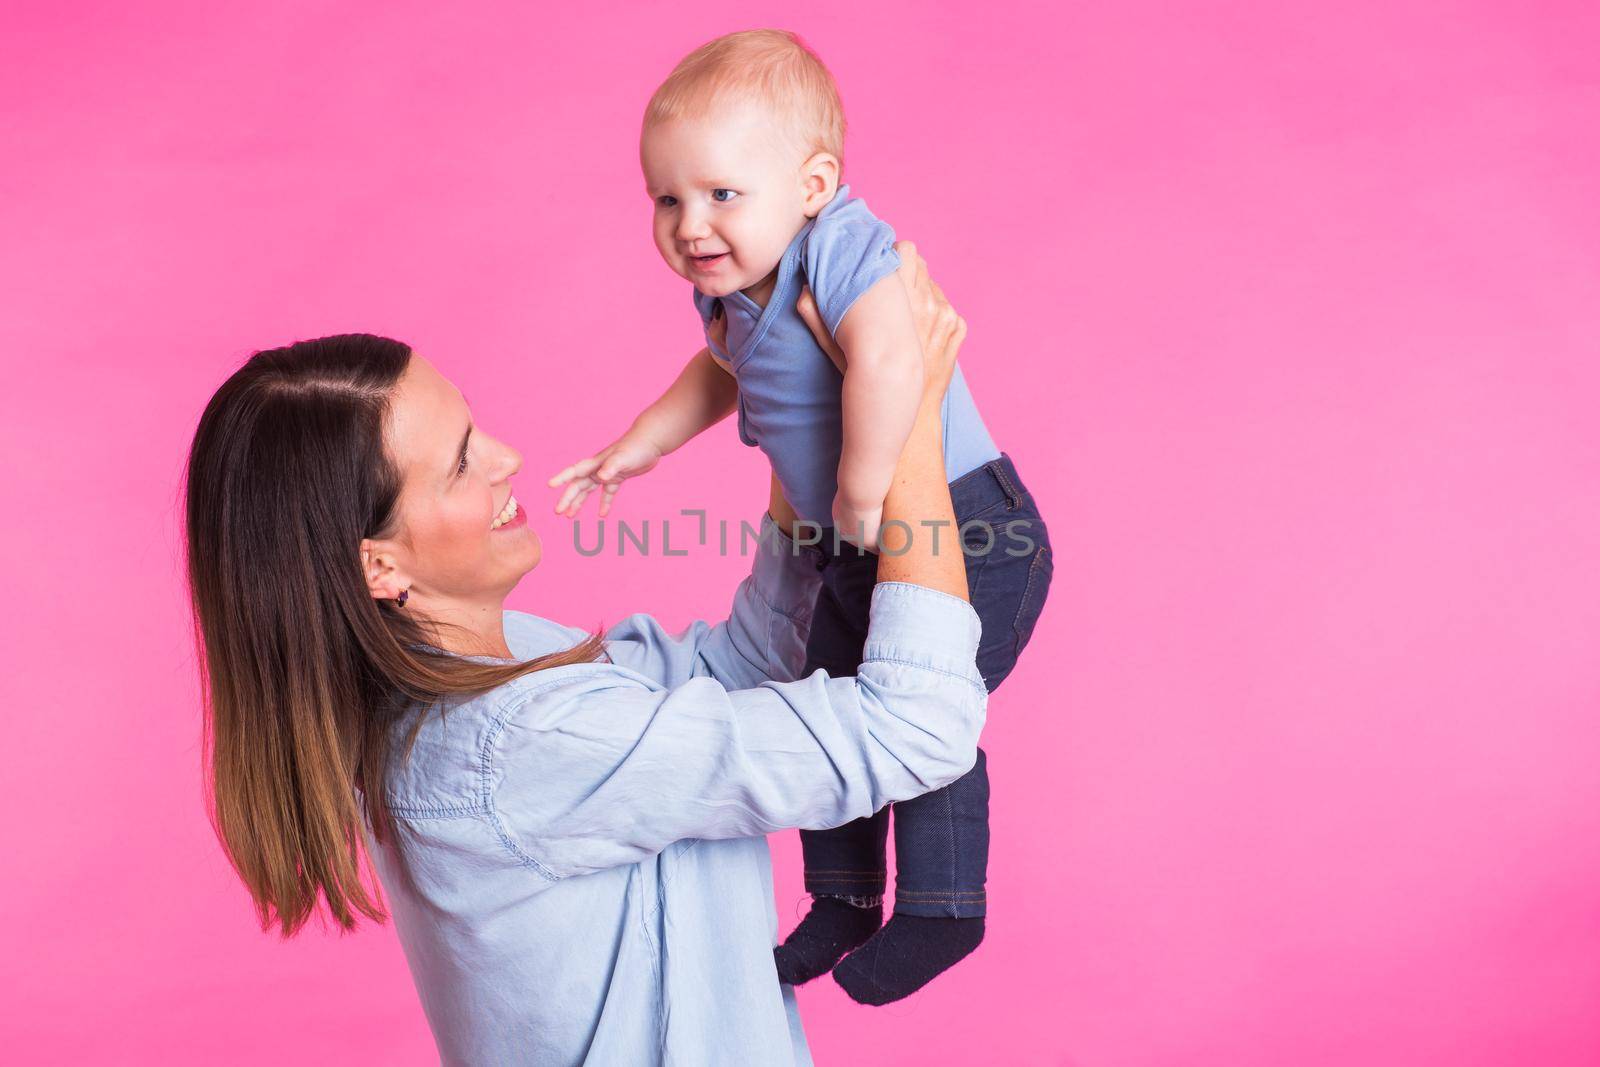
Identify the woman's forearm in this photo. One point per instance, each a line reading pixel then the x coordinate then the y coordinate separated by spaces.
pixel 918 542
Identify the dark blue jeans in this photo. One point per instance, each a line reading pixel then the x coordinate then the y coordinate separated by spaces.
pixel 941 839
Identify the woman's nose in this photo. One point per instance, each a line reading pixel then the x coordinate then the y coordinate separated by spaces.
pixel 510 462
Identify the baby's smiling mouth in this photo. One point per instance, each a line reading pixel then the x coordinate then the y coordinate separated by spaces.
pixel 707 261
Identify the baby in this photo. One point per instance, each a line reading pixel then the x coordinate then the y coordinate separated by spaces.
pixel 742 150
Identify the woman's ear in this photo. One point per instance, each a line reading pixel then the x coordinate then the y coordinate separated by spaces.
pixel 385 581
pixel 819 180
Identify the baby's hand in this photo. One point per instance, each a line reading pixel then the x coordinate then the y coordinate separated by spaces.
pixel 858 525
pixel 629 456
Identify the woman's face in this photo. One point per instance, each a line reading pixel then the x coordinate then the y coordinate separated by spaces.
pixel 461 539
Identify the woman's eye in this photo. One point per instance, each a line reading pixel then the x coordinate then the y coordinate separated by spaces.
pixel 722 196
pixel 461 468
pixel 666 201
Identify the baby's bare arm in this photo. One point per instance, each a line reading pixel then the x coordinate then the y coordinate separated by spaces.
pixel 702 395
pixel 882 390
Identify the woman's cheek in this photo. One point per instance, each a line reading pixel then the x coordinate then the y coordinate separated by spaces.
pixel 464 527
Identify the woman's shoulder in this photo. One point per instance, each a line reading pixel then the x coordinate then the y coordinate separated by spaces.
pixel 456 746
pixel 530 636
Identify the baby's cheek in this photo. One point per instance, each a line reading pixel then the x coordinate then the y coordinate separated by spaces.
pixel 664 243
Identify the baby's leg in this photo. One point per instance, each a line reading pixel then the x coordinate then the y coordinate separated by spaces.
pixel 941 843
pixel 844 867
pixel 942 838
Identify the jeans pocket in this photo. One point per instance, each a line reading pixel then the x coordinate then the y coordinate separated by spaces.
pixel 1040 571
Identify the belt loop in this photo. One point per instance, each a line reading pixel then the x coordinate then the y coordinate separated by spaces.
pixel 997 467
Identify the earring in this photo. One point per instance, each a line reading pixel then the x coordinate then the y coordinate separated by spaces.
pixel 401 599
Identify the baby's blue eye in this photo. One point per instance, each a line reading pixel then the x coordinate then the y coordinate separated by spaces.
pixel 666 201
pixel 722 196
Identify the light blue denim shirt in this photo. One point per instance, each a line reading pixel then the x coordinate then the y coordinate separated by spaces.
pixel 578 872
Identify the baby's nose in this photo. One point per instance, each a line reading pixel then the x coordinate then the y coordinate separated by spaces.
pixel 691 227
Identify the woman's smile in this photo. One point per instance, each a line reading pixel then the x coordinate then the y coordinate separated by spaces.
pixel 511 516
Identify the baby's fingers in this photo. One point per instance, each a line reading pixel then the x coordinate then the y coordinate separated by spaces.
pixel 606 493
pixel 572 499
pixel 580 469
pixel 577 505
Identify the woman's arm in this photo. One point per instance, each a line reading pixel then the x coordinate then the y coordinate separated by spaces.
pixel 918 502
pixel 597 767
pixel 592 767
pixel 763 638
pixel 919 496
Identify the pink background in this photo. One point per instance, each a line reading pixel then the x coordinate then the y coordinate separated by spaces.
pixel 1288 312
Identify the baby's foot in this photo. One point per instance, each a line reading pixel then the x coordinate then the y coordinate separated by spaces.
pixel 831 928
pixel 906 955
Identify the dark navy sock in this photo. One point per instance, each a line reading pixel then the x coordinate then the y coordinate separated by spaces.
pixel 908 953
pixel 831 928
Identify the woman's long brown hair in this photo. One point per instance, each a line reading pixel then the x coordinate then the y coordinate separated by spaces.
pixel 306 678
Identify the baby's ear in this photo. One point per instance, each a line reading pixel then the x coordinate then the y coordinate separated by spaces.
pixel 819 180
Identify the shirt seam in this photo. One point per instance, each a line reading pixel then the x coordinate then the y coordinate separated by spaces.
pixel 784 547
pixel 788 266
pixel 801 614
pixel 927 667
pixel 491 814
pixel 928 590
pixel 854 284
pixel 454 811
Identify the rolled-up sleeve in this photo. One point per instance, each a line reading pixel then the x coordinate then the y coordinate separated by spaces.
pixel 612 767
pixel 764 636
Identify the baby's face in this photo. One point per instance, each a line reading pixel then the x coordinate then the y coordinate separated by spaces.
pixel 728 195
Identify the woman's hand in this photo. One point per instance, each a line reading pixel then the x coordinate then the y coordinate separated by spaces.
pixel 939 328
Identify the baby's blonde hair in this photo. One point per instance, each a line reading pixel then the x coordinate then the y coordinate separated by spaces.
pixel 775 67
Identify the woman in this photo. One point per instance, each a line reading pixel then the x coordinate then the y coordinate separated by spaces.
pixel 568 829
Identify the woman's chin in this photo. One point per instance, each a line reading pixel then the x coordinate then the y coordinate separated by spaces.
pixel 528 551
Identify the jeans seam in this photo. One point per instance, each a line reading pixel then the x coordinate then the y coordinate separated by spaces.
pixel 1009 487
pixel 986 503
pixel 1027 594
pixel 950 828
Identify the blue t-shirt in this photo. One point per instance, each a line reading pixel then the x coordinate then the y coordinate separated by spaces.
pixel 789 390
